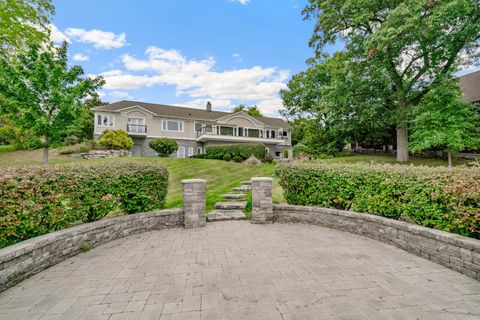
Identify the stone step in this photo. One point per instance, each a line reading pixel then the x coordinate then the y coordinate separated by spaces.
pixel 242 189
pixel 247 183
pixel 234 196
pixel 224 215
pixel 230 205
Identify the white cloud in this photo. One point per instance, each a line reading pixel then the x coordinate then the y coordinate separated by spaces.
pixel 80 57
pixel 100 39
pixel 56 35
pixel 237 57
pixel 198 80
pixel 241 1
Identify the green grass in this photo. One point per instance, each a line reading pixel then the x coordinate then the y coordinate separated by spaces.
pixel 7 148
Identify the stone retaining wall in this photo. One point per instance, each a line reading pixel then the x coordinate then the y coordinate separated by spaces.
pixel 453 251
pixel 34 255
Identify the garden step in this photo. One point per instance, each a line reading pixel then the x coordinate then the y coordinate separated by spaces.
pixel 223 215
pixel 234 196
pixel 247 183
pixel 230 205
pixel 242 189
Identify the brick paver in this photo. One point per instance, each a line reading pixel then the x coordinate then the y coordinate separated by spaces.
pixel 238 270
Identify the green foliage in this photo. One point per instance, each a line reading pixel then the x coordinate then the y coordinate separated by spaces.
pixel 85 247
pixel 432 197
pixel 285 154
pixel 444 121
pixel 237 159
pixel 38 200
pixel 71 140
pixel 227 157
pixel 115 139
pixel 253 111
pixel 47 93
pixel 164 147
pixel 299 149
pixel 268 158
pixel 23 22
pixel 242 150
pixel 248 206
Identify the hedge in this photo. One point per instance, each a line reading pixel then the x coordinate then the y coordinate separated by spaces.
pixel 242 150
pixel 38 200
pixel 438 198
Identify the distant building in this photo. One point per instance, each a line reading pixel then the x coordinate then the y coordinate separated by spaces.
pixel 470 86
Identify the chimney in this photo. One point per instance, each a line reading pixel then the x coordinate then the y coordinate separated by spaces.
pixel 209 106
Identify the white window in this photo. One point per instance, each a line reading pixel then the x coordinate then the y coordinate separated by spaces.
pixel 199 150
pixel 203 127
pixel 181 152
pixel 172 125
pixel 105 120
pixel 190 151
pixel 136 125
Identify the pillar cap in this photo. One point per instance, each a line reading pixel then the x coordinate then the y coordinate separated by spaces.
pixel 194 181
pixel 262 179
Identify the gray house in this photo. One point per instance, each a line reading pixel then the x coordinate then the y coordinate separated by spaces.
pixel 193 129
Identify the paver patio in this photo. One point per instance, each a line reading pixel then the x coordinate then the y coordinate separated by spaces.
pixel 238 270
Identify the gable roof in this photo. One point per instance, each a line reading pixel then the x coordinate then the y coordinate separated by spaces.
pixel 184 112
pixel 470 86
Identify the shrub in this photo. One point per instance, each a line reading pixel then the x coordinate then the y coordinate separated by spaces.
pixel 227 157
pixel 243 150
pixel 432 197
pixel 285 154
pixel 71 140
pixel 164 147
pixel 268 158
pixel 253 161
pixel 38 200
pixel 81 148
pixel 237 159
pixel 116 140
pixel 300 149
pixel 201 156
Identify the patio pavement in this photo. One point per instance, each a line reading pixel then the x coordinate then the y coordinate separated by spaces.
pixel 238 270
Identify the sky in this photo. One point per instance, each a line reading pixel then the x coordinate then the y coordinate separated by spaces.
pixel 188 52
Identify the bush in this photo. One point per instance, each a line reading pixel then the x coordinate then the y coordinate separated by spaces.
pixel 268 158
pixel 300 149
pixel 81 148
pixel 71 140
pixel 38 200
pixel 285 154
pixel 164 147
pixel 242 150
pixel 201 156
pixel 237 159
pixel 227 157
pixel 116 140
pixel 432 197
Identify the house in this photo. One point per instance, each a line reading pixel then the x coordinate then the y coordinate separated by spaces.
pixel 470 86
pixel 193 129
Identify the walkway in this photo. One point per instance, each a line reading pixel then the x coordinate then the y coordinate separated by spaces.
pixel 238 270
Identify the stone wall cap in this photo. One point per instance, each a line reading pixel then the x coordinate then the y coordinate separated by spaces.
pixel 194 181
pixel 262 179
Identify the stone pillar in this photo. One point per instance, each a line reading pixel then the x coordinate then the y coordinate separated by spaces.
pixel 262 205
pixel 194 202
pixel 290 154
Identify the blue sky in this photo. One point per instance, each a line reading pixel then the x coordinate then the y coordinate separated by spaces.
pixel 188 52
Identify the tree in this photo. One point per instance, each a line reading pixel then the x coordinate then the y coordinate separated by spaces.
pixel 164 147
pixel 444 121
pixel 23 23
pixel 416 44
pixel 47 92
pixel 253 111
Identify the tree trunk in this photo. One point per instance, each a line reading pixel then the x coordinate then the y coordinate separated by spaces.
pixel 45 151
pixel 402 144
pixel 450 158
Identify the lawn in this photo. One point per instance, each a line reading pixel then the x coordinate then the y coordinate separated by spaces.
pixel 221 176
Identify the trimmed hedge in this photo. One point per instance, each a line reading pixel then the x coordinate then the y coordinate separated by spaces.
pixel 438 198
pixel 38 200
pixel 164 147
pixel 242 150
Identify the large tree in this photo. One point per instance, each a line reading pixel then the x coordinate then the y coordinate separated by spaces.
pixel 416 44
pixel 253 111
pixel 23 23
pixel 48 93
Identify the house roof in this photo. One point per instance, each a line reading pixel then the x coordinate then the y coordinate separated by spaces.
pixel 470 86
pixel 184 112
